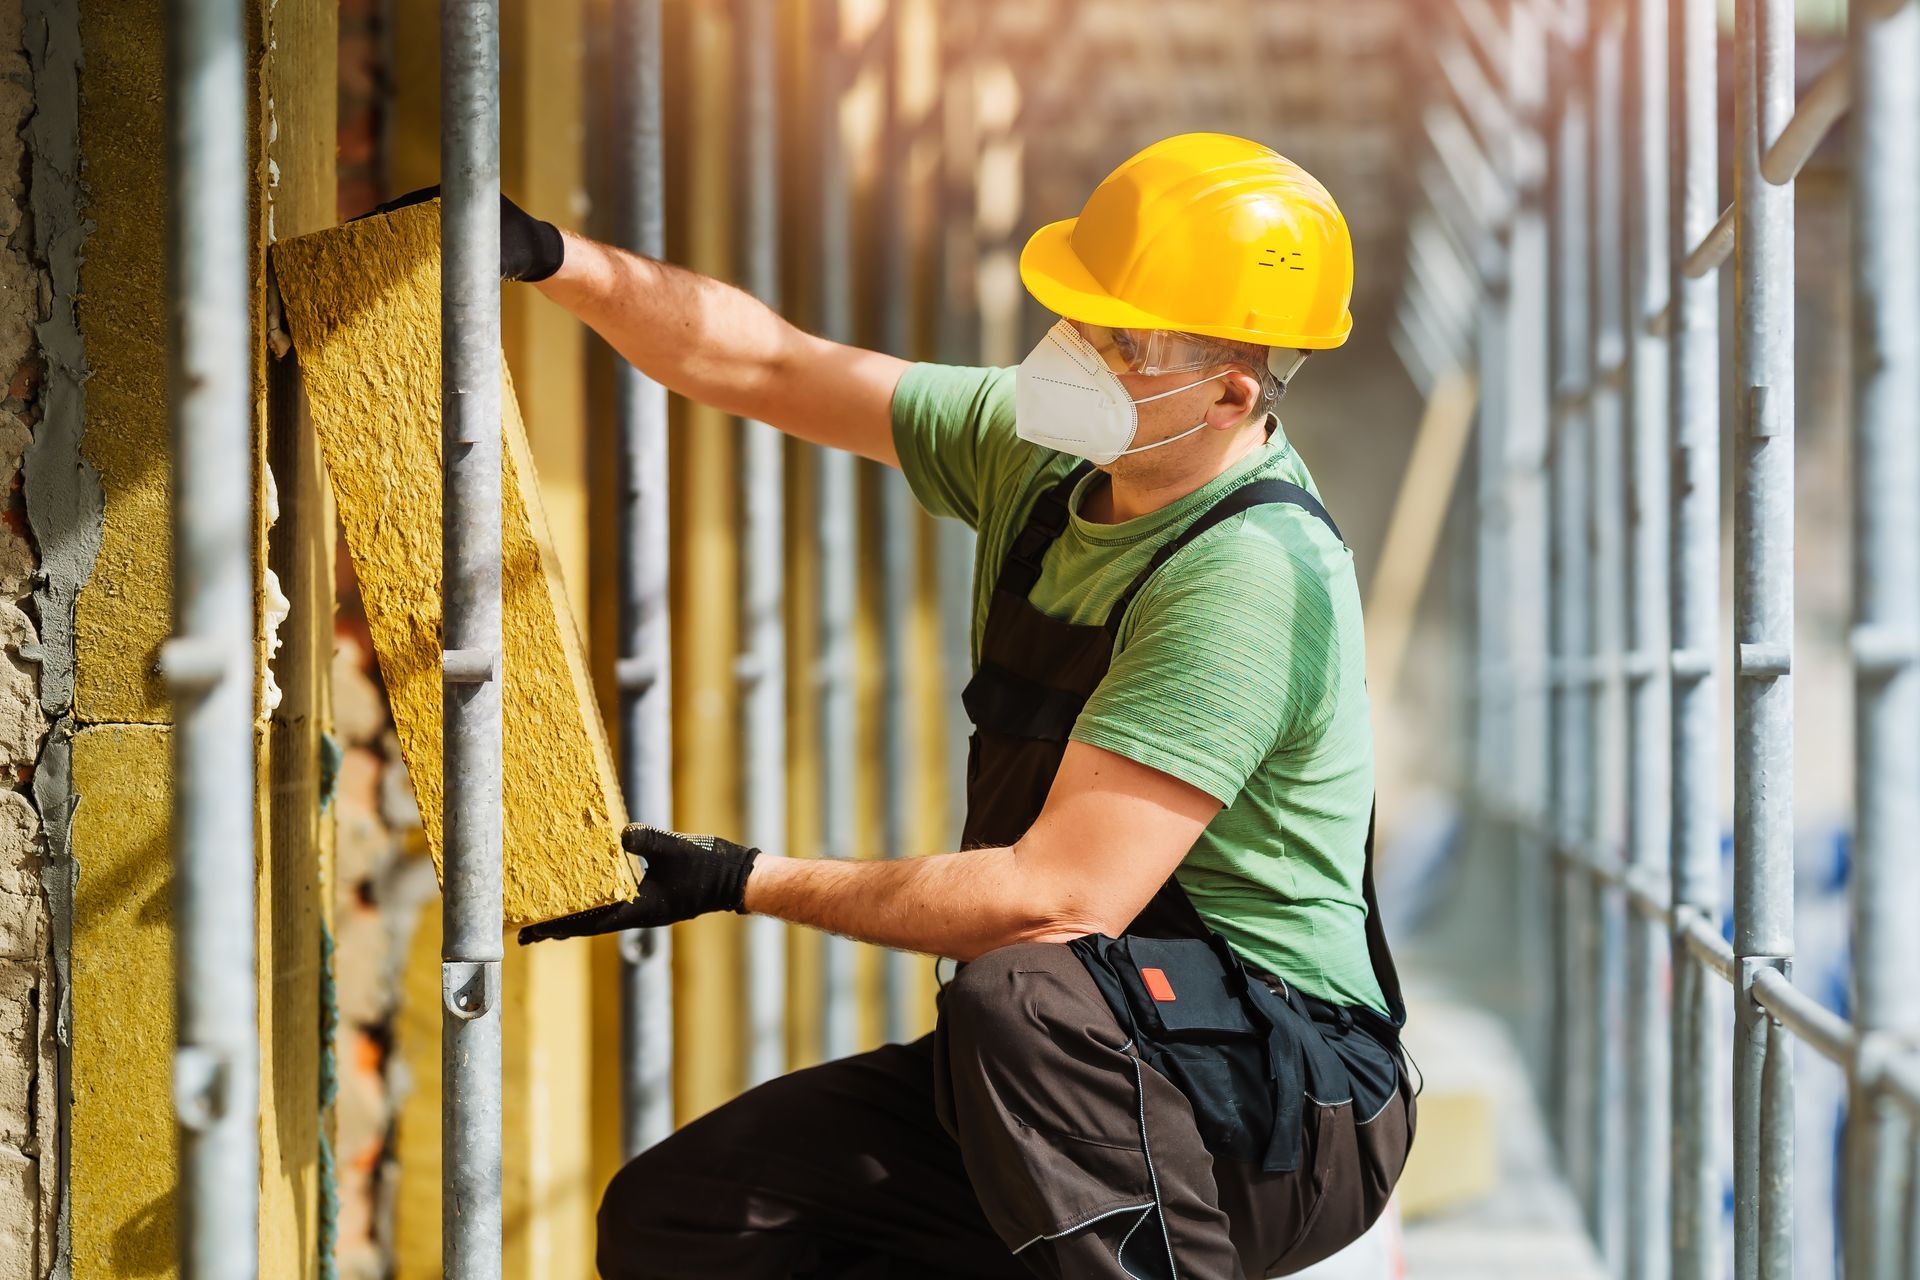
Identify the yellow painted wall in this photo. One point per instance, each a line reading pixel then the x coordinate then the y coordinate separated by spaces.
pixel 123 1139
pixel 122 1131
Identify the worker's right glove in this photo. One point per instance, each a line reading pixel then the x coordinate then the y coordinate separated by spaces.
pixel 680 877
pixel 529 248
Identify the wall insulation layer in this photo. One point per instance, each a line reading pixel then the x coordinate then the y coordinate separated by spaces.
pixel 363 305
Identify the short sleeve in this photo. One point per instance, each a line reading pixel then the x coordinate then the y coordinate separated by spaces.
pixel 950 426
pixel 1226 653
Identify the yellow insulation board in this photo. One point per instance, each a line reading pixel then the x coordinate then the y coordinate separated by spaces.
pixel 363 305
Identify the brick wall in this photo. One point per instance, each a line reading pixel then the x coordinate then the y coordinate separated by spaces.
pixel 383 877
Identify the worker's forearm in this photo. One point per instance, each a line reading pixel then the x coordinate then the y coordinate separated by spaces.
pixel 695 335
pixel 959 905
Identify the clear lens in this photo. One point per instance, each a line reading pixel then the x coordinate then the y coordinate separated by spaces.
pixel 1152 351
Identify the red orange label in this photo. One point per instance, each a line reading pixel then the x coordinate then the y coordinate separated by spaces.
pixel 1157 985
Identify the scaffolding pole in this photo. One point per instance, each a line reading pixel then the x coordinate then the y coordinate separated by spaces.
pixel 1526 402
pixel 1572 593
pixel 209 662
pixel 644 670
pixel 1884 177
pixel 1645 157
pixel 470 403
pixel 1763 637
pixel 1607 516
pixel 899 541
pixel 762 664
pixel 958 343
pixel 836 549
pixel 1693 346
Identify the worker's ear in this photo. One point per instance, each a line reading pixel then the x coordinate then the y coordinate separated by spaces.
pixel 1239 394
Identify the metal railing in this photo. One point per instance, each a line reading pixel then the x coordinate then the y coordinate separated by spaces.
pixel 1631 136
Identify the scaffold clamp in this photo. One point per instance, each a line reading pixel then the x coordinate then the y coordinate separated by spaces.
pixel 469 988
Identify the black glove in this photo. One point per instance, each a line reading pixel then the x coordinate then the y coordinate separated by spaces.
pixel 529 248
pixel 680 877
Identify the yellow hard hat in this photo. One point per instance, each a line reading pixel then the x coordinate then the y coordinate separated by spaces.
pixel 1204 233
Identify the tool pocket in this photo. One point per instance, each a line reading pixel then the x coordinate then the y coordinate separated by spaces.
pixel 1184 1000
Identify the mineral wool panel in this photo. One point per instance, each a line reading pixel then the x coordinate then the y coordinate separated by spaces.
pixel 362 302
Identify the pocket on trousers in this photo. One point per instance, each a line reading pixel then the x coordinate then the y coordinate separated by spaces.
pixel 1327 1132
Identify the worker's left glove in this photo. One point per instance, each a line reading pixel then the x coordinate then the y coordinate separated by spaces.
pixel 530 249
pixel 680 877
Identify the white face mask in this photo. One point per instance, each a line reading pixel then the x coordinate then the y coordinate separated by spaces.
pixel 1066 398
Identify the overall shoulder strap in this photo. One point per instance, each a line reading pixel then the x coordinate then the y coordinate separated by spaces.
pixel 1045 522
pixel 1259 493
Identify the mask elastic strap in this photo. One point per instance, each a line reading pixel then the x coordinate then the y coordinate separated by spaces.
pixel 1177 390
pixel 1198 426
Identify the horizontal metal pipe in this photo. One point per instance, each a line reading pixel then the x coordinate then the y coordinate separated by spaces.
pixel 1488 200
pixel 1819 110
pixel 1466 79
pixel 1823 1030
pixel 1706 944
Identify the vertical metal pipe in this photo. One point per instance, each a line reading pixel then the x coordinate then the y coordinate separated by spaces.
pixel 1572 583
pixel 899 541
pixel 1763 604
pixel 209 660
pixel 470 393
pixel 836 537
pixel 1606 517
pixel 959 343
pixel 644 669
pixel 1694 423
pixel 1649 785
pixel 1528 398
pixel 1774 1160
pixel 762 663
pixel 1884 179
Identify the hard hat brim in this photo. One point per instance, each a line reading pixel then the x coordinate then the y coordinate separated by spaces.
pixel 1060 282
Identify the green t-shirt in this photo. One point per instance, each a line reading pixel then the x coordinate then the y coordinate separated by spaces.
pixel 1239 668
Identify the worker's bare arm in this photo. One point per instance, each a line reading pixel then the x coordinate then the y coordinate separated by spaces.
pixel 721 346
pixel 1111 833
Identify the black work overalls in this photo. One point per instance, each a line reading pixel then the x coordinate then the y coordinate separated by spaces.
pixel 1034 676
pixel 1026 1135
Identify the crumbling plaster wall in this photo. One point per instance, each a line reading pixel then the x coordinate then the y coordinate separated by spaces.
pixel 38 423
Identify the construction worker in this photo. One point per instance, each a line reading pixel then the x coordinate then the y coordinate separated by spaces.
pixel 1171 1048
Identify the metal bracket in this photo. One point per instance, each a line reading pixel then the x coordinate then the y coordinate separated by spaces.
pixel 1641 665
pixel 1690 664
pixel 1880 650
pixel 1748 967
pixel 1762 661
pixel 469 989
pixel 470 666
pixel 635 675
pixel 1761 424
pixel 193 665
pixel 637 945
pixel 202 1080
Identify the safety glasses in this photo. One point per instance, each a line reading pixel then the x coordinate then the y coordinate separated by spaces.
pixel 1155 351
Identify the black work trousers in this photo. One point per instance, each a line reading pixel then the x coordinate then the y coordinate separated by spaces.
pixel 1021 1138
